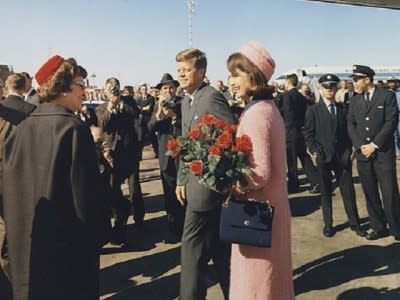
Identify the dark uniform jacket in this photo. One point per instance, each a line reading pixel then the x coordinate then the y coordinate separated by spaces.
pixel 325 135
pixel 374 122
pixel 53 207
pixel 207 100
pixel 293 108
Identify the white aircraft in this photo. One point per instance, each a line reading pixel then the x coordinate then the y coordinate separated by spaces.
pixel 391 4
pixel 312 74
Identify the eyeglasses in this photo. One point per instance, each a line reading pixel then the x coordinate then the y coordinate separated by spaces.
pixel 80 82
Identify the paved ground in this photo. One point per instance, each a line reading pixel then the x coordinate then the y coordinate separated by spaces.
pixel 344 267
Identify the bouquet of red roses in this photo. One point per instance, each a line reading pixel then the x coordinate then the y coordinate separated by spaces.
pixel 212 152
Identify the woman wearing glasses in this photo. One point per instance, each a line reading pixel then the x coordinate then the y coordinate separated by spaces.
pixel 54 210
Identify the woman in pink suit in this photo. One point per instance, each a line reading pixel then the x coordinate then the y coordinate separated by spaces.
pixel 262 273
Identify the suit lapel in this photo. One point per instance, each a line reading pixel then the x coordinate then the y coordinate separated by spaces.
pixel 373 101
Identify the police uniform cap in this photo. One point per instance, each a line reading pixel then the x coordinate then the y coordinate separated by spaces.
pixel 329 80
pixel 362 71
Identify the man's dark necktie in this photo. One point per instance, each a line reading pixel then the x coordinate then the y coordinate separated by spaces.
pixel 332 110
pixel 367 97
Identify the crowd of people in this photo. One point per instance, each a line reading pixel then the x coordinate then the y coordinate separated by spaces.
pixel 63 164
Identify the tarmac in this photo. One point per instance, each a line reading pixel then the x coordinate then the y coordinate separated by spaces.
pixel 343 267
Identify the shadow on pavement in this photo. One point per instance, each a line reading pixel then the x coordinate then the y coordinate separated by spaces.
pixel 117 278
pixel 370 293
pixel 304 205
pixel 343 266
pixel 154 203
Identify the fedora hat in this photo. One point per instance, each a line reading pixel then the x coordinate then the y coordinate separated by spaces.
pixel 167 78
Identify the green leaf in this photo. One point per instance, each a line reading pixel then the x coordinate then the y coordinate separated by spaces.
pixel 229 173
pixel 210 181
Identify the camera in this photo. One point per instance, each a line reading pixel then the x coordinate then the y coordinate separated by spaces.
pixel 171 103
pixel 115 90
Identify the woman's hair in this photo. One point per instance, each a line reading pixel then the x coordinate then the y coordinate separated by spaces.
pixel 259 84
pixel 61 81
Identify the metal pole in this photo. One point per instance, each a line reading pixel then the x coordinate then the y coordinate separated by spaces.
pixel 192 12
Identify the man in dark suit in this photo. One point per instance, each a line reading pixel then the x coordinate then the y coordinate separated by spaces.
pixel 200 240
pixel 167 121
pixel 349 94
pixel 117 118
pixel 293 107
pixel 372 119
pixel 30 94
pixel 146 104
pixel 325 133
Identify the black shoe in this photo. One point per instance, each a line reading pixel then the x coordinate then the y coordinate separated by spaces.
pixel 315 189
pixel 358 230
pixel 328 231
pixel 375 235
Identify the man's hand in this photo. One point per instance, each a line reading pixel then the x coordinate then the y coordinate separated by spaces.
pixel 180 194
pixel 314 158
pixel 112 102
pixel 368 150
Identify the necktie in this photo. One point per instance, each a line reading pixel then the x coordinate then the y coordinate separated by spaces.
pixel 332 110
pixel 367 97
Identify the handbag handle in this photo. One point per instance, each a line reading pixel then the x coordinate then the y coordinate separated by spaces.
pixel 226 202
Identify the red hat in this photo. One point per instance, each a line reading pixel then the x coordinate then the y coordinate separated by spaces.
pixel 48 69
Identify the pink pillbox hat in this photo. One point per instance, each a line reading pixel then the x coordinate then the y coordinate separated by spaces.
pixel 260 57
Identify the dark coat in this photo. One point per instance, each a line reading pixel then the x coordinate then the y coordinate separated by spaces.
pixel 53 207
pixel 293 108
pixel 207 100
pixel 374 123
pixel 13 110
pixel 327 136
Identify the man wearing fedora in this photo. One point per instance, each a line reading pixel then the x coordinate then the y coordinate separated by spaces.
pixel 200 240
pixel 372 119
pixel 167 121
pixel 326 137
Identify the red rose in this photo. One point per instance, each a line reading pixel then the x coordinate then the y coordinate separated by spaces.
pixel 224 140
pixel 214 150
pixel 208 119
pixel 171 145
pixel 195 133
pixel 233 128
pixel 220 123
pixel 196 167
pixel 244 144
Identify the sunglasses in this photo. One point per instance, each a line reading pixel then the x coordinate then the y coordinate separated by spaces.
pixel 80 82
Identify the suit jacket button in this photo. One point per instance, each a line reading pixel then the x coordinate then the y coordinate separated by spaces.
pixel 368 139
pixel 367 118
pixel 366 128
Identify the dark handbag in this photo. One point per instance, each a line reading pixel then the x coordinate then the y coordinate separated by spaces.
pixel 246 222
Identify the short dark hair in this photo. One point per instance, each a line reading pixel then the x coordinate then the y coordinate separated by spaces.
pixel 16 82
pixel 293 79
pixel 113 80
pixel 260 88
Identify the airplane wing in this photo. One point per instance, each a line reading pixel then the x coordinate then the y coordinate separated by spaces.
pixel 391 4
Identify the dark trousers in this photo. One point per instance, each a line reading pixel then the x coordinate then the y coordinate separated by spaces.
pixel 135 195
pixel 200 243
pixel 375 173
pixel 175 211
pixel 345 181
pixel 297 149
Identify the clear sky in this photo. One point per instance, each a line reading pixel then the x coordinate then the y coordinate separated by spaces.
pixel 137 40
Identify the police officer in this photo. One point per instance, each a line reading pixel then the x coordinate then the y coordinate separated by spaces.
pixel 326 137
pixel 372 120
